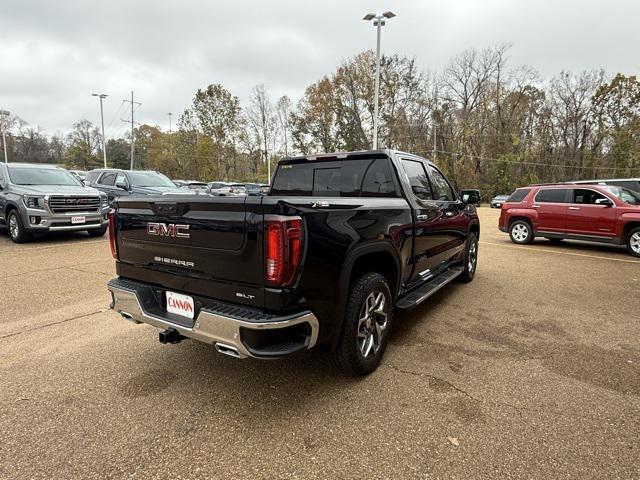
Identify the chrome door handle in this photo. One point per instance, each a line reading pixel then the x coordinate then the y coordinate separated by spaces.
pixel 574 208
pixel 535 206
pixel 421 217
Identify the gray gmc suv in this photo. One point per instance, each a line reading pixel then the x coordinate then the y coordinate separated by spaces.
pixel 46 198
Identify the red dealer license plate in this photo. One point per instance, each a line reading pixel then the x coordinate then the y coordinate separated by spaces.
pixel 180 304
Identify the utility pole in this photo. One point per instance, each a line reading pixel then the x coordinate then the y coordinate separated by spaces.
pixel 133 138
pixel 170 139
pixel 102 96
pixel 5 113
pixel 378 22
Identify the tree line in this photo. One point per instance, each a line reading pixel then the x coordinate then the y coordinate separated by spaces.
pixel 487 124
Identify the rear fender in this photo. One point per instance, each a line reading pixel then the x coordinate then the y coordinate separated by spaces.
pixel 346 274
pixel 527 213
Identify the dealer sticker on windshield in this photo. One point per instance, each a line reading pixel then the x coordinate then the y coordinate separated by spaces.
pixel 180 304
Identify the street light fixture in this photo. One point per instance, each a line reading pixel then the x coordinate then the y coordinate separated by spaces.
pixel 102 96
pixel 5 113
pixel 378 22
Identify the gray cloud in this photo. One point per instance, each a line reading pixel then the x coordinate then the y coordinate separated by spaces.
pixel 54 54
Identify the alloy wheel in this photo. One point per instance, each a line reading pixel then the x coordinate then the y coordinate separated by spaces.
pixel 473 256
pixel 372 323
pixel 14 228
pixel 634 242
pixel 520 232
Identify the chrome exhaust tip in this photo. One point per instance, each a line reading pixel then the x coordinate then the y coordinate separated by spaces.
pixel 127 316
pixel 227 350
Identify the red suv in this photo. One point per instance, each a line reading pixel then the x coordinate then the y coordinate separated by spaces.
pixel 595 213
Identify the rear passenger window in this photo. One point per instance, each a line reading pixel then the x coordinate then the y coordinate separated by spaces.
pixel 552 195
pixel 418 179
pixel 586 197
pixel 108 179
pixel 519 195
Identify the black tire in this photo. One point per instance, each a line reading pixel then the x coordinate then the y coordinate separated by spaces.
pixel 97 232
pixel 521 232
pixel 633 242
pixel 470 259
pixel 356 352
pixel 17 232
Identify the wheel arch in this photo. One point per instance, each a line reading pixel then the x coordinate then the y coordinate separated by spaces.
pixel 474 227
pixel 524 218
pixel 628 226
pixel 10 206
pixel 379 257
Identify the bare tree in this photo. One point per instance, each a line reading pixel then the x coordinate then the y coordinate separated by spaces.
pixel 261 118
pixel 283 111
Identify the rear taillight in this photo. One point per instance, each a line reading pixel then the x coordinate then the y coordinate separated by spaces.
pixel 284 239
pixel 112 235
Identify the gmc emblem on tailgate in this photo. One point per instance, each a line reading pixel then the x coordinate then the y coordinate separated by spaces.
pixel 168 230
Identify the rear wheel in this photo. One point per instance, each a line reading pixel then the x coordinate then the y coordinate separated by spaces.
pixel 17 231
pixel 521 232
pixel 366 325
pixel 633 242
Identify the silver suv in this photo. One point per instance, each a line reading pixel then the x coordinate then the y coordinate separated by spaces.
pixel 46 198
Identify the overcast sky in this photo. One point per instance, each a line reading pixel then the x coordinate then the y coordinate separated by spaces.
pixel 55 53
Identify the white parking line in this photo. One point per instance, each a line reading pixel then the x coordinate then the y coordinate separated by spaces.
pixel 544 250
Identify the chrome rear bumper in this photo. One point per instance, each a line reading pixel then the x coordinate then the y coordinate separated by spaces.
pixel 213 328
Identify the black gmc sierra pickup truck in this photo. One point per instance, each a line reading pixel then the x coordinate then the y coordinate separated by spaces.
pixel 338 243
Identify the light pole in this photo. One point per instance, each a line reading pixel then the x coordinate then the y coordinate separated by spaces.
pixel 102 96
pixel 5 113
pixel 379 22
pixel 170 139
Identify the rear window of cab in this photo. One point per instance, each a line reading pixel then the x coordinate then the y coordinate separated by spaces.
pixel 363 177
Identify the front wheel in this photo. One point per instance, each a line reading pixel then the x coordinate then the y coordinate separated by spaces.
pixel 366 325
pixel 17 231
pixel 470 259
pixel 521 232
pixel 633 242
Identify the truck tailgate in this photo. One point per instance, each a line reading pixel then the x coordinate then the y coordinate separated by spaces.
pixel 209 246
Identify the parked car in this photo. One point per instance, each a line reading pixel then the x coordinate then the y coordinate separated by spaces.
pixel 255 189
pixel 226 189
pixel 192 186
pixel 630 183
pixel 40 198
pixel 596 213
pixel 338 243
pixel 498 200
pixel 117 183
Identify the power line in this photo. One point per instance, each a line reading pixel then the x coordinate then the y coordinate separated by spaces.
pixel 113 126
pixel 133 137
pixel 517 162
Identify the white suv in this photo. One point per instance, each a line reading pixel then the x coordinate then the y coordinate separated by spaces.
pixel 226 189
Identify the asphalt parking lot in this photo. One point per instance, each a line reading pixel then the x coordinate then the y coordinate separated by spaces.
pixel 531 371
